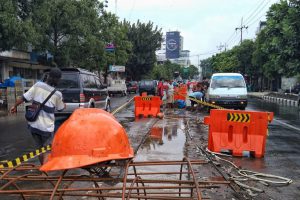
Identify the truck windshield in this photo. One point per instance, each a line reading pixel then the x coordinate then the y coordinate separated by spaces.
pixel 227 82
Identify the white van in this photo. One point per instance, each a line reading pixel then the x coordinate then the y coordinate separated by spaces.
pixel 227 90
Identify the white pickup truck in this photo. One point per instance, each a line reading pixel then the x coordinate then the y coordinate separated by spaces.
pixel 117 87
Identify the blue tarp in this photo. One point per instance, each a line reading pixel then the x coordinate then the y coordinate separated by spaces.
pixel 10 82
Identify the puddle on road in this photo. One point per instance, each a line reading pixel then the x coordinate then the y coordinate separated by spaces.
pixel 165 142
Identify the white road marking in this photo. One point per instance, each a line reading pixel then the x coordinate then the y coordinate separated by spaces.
pixel 287 125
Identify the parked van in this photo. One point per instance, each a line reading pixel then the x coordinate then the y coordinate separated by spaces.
pixel 81 89
pixel 227 90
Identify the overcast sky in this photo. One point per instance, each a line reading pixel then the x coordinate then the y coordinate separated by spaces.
pixel 204 24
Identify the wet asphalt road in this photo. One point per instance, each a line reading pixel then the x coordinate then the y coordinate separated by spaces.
pixel 281 156
pixel 15 140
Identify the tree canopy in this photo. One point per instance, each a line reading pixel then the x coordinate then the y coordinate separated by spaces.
pixel 76 34
pixel 145 39
pixel 166 71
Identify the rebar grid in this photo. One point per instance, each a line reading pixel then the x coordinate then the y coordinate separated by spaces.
pixel 27 182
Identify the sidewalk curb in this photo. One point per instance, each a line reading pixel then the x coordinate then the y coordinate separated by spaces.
pixel 281 101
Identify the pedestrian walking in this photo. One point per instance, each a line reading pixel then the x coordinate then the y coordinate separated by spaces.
pixel 170 95
pixel 42 129
pixel 160 88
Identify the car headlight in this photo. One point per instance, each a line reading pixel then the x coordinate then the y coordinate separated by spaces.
pixel 214 96
pixel 242 96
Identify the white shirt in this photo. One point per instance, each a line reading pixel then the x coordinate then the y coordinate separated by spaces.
pixel 38 93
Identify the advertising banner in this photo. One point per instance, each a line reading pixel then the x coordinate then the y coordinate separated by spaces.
pixel 172 45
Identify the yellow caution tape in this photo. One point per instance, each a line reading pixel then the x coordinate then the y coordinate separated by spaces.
pixel 201 102
pixel 24 158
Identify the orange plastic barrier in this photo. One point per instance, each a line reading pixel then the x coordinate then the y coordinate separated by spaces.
pixel 180 92
pixel 238 131
pixel 147 106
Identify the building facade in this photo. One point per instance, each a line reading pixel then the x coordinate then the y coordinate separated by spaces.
pixel 19 63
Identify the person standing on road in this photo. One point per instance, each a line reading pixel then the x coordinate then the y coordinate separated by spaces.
pixel 42 129
pixel 160 88
pixel 170 95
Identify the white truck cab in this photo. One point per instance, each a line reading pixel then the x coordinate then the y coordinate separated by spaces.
pixel 117 87
pixel 227 90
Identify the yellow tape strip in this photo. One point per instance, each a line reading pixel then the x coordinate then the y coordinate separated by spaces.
pixel 24 158
pixel 201 102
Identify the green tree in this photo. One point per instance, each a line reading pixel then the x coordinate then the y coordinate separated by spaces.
pixel 166 71
pixel 145 39
pixel 16 29
pixel 207 67
pixel 192 71
pixel 244 56
pixel 225 61
pixel 67 29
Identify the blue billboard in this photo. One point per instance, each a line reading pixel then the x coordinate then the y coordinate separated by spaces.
pixel 172 45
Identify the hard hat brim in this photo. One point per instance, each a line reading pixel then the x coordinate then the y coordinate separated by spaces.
pixel 77 161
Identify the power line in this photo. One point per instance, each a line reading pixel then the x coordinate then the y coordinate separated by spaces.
pixel 258 13
pixel 233 40
pixel 255 21
pixel 233 36
pixel 203 54
pixel 254 11
pixel 230 38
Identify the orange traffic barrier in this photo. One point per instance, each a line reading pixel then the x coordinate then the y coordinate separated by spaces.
pixel 147 106
pixel 88 137
pixel 238 131
pixel 180 92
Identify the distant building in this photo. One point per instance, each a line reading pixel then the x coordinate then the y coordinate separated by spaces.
pixel 261 26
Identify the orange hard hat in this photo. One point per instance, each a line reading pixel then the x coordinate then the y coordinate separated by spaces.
pixel 88 137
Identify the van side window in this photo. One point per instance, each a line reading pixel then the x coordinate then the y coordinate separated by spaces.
pixel 68 80
pixel 98 83
pixel 88 81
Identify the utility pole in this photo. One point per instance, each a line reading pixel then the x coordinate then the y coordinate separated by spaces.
pixel 241 29
pixel 221 46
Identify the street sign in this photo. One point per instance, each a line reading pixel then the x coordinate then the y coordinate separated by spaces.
pixel 110 47
pixel 116 68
